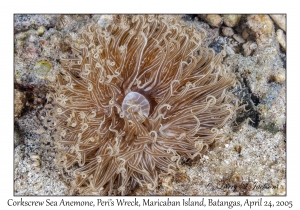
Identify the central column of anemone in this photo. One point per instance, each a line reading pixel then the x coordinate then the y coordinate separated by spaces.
pixel 135 104
pixel 136 96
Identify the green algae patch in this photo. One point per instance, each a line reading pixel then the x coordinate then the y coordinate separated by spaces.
pixel 42 68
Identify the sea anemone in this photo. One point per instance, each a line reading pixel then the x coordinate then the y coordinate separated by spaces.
pixel 137 96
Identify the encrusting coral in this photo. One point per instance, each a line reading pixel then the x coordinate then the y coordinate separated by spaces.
pixel 107 141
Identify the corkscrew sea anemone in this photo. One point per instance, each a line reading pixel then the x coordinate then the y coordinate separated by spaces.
pixel 137 96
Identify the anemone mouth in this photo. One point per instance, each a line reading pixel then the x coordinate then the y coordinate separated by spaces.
pixel 135 103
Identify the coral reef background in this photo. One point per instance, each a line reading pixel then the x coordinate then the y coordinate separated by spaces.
pixel 250 161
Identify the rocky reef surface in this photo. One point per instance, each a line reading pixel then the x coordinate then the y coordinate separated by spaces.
pixel 251 160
